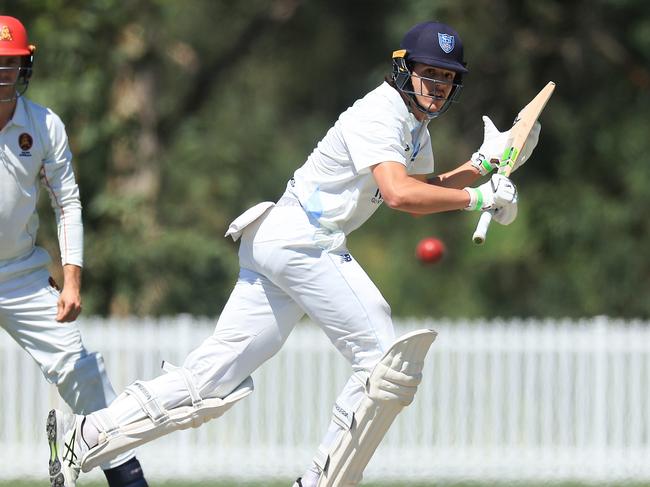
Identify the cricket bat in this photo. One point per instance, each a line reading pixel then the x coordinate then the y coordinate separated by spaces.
pixel 519 131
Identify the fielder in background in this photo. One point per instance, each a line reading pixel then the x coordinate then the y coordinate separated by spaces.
pixel 34 148
pixel 294 262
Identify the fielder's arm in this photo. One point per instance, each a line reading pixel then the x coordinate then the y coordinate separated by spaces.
pixel 69 305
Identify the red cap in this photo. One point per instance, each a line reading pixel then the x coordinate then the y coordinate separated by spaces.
pixel 13 38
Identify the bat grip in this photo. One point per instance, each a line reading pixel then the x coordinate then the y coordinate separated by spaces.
pixel 482 228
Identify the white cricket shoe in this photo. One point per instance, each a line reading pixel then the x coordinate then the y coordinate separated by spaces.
pixel 66 447
pixel 298 482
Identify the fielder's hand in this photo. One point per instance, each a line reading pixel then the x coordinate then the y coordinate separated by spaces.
pixel 498 196
pixel 495 143
pixel 69 305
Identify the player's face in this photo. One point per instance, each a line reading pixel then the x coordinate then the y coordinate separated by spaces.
pixel 9 69
pixel 431 85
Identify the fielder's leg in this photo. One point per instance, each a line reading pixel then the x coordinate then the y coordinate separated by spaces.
pixel 28 308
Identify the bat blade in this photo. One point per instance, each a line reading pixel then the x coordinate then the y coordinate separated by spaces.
pixel 519 131
pixel 522 126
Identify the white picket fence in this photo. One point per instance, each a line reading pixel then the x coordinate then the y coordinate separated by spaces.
pixel 501 400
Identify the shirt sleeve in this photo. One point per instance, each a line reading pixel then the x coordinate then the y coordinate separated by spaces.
pixel 424 162
pixel 57 176
pixel 371 140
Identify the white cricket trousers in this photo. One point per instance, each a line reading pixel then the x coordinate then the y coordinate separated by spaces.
pixel 283 276
pixel 28 307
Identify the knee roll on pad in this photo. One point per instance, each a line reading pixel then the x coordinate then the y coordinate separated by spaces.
pixel 390 387
pixel 115 439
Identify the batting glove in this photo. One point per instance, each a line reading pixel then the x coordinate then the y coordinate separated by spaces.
pixel 498 196
pixel 487 157
pixel 495 143
pixel 505 214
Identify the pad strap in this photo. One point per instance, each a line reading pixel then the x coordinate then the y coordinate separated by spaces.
pixel 342 417
pixel 196 398
pixel 322 459
pixel 148 402
pixel 104 422
pixel 131 435
pixel 391 386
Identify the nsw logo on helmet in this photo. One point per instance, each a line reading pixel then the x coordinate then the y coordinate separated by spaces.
pixel 446 42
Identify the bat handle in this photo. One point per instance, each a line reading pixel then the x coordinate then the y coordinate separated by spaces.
pixel 482 228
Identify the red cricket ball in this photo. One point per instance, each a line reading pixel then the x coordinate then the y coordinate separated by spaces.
pixel 430 250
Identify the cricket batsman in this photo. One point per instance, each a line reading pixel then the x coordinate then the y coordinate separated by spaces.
pixel 294 261
pixel 34 152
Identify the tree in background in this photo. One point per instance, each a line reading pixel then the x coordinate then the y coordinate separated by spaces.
pixel 181 114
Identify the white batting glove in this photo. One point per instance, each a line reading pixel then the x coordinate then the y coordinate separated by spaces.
pixel 495 143
pixel 505 214
pixel 498 196
pixel 487 157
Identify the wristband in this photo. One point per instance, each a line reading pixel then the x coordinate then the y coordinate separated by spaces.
pixel 475 199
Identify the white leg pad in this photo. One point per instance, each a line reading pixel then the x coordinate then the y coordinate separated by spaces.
pixel 390 387
pixel 115 439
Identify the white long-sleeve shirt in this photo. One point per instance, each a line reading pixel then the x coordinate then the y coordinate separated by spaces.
pixel 34 148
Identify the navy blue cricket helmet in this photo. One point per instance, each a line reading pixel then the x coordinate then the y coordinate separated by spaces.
pixel 435 44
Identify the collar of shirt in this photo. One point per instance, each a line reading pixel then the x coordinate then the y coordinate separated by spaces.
pixel 20 114
pixel 400 104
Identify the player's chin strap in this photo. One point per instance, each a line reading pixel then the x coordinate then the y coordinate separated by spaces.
pixel 390 387
pixel 115 439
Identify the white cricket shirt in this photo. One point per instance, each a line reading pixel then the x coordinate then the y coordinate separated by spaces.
pixel 34 148
pixel 335 186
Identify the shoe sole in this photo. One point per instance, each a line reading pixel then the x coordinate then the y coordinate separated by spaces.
pixel 56 476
